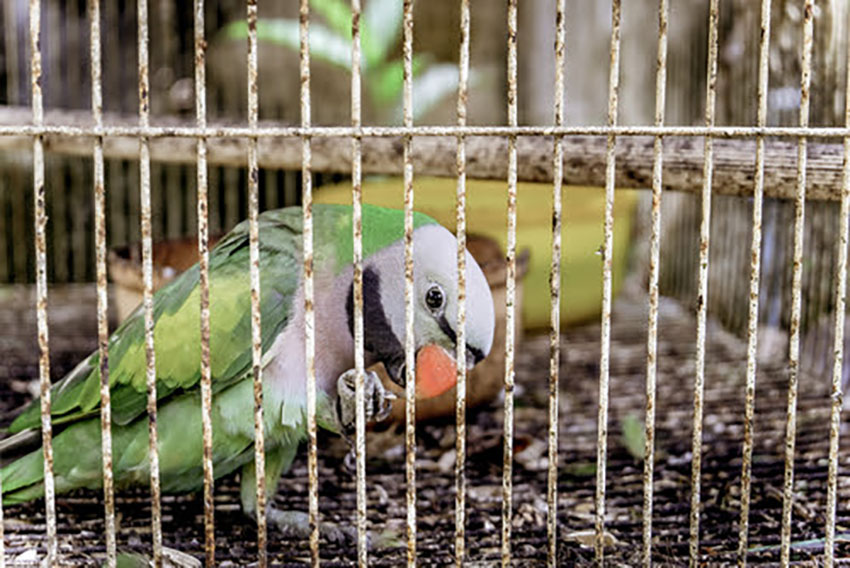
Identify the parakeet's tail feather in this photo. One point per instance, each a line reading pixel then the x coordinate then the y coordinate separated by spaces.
pixel 22 479
pixel 24 495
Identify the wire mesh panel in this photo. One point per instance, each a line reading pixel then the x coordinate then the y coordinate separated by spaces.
pixel 627 473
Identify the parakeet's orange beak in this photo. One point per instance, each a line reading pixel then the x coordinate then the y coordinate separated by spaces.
pixel 436 371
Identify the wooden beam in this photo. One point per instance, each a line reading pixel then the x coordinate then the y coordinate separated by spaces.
pixel 584 156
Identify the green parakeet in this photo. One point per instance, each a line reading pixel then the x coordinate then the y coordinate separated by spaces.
pixel 76 398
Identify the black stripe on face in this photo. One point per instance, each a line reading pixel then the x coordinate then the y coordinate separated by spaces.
pixel 378 336
pixel 477 354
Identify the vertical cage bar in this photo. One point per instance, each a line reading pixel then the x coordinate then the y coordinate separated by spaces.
pixel 755 278
pixel 837 396
pixel 702 286
pixel 555 290
pixel 796 287
pixel 510 293
pixel 460 215
pixel 409 300
pixel 357 228
pixel 254 253
pixel 204 253
pixel 11 56
pixel 41 278
pixel 147 275
pixel 100 261
pixel 607 284
pixel 2 531
pixel 309 314
pixel 654 269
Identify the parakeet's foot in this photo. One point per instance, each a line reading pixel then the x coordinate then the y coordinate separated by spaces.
pixel 296 524
pixel 378 400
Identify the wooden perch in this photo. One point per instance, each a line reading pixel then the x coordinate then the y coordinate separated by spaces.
pixel 584 156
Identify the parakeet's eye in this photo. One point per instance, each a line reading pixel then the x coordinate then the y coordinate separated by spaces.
pixel 435 298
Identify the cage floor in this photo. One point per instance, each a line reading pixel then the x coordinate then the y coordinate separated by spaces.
pixel 80 515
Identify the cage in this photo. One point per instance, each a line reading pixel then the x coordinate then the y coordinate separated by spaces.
pixel 695 417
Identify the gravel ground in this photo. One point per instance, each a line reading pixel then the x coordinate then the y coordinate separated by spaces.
pixel 73 332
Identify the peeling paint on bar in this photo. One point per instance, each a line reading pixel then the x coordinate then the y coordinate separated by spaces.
pixel 357 228
pixel 702 291
pixel 796 288
pixel 100 261
pixel 254 253
pixel 755 268
pixel 309 314
pixel 510 292
pixel 409 299
pixel 225 132
pixel 607 265
pixel 837 396
pixel 555 291
pixel 460 214
pixel 147 275
pixel 41 280
pixel 204 253
pixel 654 269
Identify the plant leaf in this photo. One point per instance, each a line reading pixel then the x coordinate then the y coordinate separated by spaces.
pixel 381 25
pixel 336 13
pixel 387 82
pixel 324 44
pixel 432 86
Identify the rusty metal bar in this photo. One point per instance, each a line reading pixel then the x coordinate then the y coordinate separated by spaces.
pixel 755 278
pixel 796 287
pixel 409 299
pixel 204 253
pixel 510 292
pixel 555 291
pixel 100 255
pixel 357 228
pixel 837 395
pixel 702 290
pixel 41 279
pixel 654 270
pixel 460 215
pixel 147 275
pixel 584 157
pixel 22 128
pixel 309 314
pixel 254 253
pixel 607 285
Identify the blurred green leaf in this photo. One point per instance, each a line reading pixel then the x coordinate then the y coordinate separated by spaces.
pixel 324 44
pixel 430 87
pixel 381 26
pixel 387 82
pixel 634 436
pixel 336 13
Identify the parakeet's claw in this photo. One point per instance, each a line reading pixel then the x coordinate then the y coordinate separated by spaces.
pixel 377 400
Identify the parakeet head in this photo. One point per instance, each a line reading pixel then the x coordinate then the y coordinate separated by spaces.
pixel 435 310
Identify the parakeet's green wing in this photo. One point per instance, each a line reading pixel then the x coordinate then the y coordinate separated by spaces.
pixel 177 328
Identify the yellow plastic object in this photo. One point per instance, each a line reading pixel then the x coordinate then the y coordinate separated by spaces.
pixel 582 234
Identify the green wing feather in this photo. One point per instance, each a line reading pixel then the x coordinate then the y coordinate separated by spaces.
pixel 177 328
pixel 177 313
